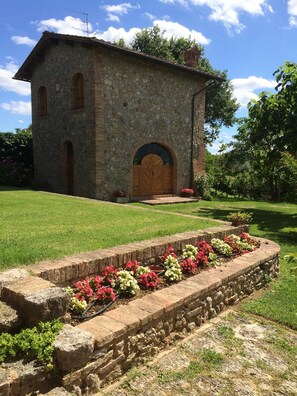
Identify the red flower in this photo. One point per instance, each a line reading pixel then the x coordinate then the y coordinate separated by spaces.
pixel 131 266
pixel 170 251
pixel 188 266
pixel 105 294
pixel 201 259
pixel 83 290
pixel 205 247
pixel 109 274
pixel 149 280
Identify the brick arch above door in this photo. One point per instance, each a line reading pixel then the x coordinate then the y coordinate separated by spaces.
pixel 152 170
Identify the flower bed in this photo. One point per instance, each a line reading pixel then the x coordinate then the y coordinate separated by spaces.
pixel 93 295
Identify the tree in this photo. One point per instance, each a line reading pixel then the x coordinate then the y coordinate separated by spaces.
pixel 220 105
pixel 16 157
pixel 267 138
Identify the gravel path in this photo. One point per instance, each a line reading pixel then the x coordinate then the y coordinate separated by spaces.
pixel 234 354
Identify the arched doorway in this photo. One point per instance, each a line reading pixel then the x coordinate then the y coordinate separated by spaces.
pixel 152 171
pixel 69 167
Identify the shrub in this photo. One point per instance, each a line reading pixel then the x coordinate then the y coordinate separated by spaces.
pixel 14 173
pixel 239 218
pixel 35 343
pixel 203 186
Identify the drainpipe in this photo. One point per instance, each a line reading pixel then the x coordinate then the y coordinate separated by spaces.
pixel 193 127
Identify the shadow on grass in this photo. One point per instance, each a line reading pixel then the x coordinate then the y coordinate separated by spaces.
pixel 270 224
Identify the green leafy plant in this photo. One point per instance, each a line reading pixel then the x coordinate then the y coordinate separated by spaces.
pixel 35 343
pixel 203 185
pixel 239 218
pixel 292 258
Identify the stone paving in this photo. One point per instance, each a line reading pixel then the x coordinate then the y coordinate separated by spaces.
pixel 234 354
pixel 168 200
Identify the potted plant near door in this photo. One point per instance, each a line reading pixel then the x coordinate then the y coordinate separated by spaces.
pixel 120 196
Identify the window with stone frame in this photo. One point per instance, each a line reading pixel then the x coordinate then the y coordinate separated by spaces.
pixel 77 91
pixel 42 101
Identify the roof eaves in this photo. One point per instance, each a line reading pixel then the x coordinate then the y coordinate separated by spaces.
pixel 24 72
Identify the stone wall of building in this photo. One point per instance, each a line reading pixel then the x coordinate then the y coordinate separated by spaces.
pixel 147 102
pixel 128 102
pixel 61 61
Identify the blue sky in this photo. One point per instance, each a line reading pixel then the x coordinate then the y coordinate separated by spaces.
pixel 249 38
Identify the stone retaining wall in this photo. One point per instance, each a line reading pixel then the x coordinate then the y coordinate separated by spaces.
pixel 101 349
pixel 126 335
pixel 65 271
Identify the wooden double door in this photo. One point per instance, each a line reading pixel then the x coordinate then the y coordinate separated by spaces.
pixel 152 177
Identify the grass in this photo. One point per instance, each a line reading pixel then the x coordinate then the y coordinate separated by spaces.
pixel 37 226
pixel 207 360
pixel 275 221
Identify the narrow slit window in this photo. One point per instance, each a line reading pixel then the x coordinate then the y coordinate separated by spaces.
pixel 42 102
pixel 78 91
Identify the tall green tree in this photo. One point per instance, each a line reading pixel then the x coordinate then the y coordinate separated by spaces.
pixel 220 105
pixel 267 138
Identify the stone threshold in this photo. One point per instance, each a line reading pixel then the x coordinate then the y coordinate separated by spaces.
pixel 167 200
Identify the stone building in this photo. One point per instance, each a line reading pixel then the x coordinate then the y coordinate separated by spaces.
pixel 107 118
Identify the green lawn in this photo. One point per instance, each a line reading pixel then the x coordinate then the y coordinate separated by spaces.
pixel 37 226
pixel 275 221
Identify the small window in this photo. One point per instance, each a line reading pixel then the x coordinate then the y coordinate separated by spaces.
pixel 78 91
pixel 42 102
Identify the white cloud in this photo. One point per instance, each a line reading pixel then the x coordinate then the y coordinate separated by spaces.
pixel 8 84
pixel 68 25
pixel 150 16
pixel 112 34
pixel 20 121
pixel 292 11
pixel 244 88
pixel 184 3
pixel 177 30
pixel 227 11
pixel 113 11
pixel 119 9
pixel 23 40
pixel 17 107
pixel 172 29
pixel 112 18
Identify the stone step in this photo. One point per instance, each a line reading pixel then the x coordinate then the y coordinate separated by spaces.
pixel 9 319
pixel 35 299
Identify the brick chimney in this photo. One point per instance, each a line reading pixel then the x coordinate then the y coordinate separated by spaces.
pixel 191 57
